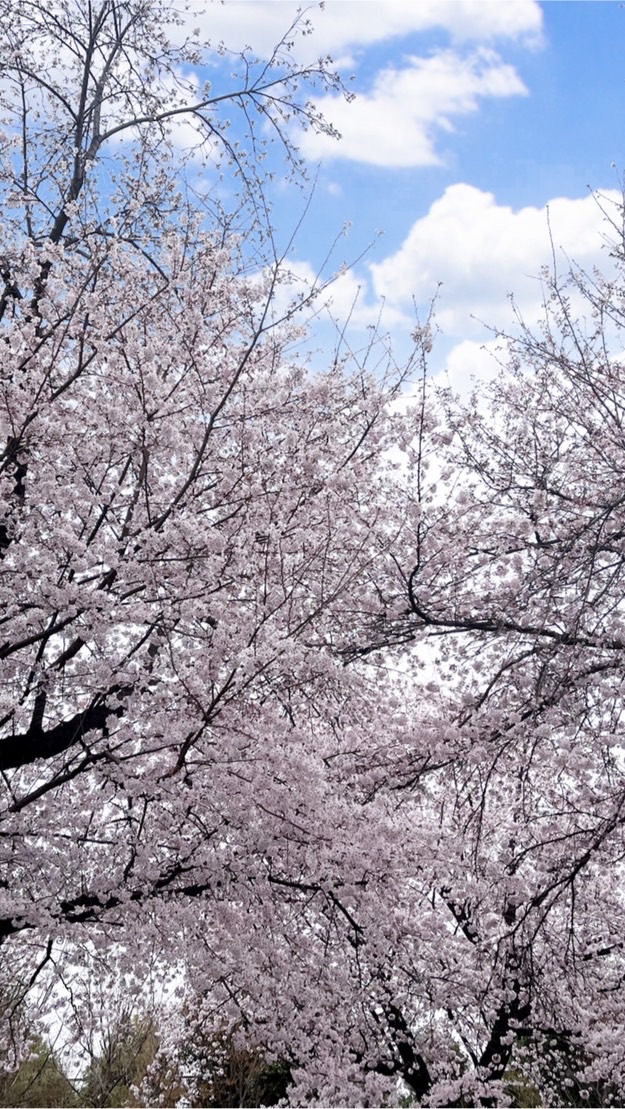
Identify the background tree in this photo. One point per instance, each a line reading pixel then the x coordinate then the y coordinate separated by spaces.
pixel 38 1081
pixel 213 1066
pixel 31 1073
pixel 126 1050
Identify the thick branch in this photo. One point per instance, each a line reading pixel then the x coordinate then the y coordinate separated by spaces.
pixel 37 743
pixel 410 1065
pixel 496 1055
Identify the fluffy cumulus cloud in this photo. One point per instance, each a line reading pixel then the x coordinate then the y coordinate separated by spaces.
pixel 397 121
pixel 471 361
pixel 474 254
pixel 336 31
pixel 400 111
pixel 479 252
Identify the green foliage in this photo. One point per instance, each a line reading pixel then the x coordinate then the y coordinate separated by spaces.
pixel 38 1081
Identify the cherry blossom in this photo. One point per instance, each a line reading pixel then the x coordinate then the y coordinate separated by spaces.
pixel 310 701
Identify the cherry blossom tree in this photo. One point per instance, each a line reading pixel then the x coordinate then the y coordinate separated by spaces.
pixel 196 534
pixel 517 577
pixel 310 702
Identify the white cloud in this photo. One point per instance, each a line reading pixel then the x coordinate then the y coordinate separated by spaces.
pixel 346 299
pixel 481 251
pixel 341 26
pixel 395 123
pixel 471 361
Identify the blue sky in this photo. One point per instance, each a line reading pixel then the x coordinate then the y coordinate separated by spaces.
pixel 471 117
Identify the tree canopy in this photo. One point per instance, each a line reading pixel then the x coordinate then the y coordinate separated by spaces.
pixel 311 695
